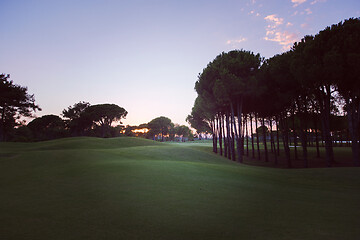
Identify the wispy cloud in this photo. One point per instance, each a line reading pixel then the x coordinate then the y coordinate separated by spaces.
pixel 274 32
pixel 317 1
pixel 254 13
pixel 308 11
pixel 295 13
pixel 285 39
pixel 304 25
pixel 234 42
pixel 298 2
pixel 274 20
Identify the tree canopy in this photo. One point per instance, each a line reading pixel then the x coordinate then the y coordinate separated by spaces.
pixel 103 116
pixel 75 111
pixel 289 90
pixel 15 102
pixel 47 127
pixel 74 122
pixel 160 126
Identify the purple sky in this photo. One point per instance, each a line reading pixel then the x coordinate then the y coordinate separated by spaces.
pixel 144 56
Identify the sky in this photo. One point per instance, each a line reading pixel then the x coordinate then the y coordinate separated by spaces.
pixel 144 55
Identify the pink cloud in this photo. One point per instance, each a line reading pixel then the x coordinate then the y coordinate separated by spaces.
pixel 235 41
pixel 274 19
pixel 286 39
pixel 308 11
pixel 317 1
pixel 298 2
pixel 274 32
pixel 254 13
pixel 304 25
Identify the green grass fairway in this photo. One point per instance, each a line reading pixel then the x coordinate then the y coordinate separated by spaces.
pixel 129 188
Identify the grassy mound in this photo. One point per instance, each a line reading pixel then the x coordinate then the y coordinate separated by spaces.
pixel 83 143
pixel 127 188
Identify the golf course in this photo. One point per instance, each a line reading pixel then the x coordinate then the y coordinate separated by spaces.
pixel 133 188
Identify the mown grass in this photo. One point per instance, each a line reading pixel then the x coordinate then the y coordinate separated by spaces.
pixel 342 156
pixel 128 188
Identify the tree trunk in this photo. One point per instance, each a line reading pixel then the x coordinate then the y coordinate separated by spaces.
pixel 353 120
pixel 302 108
pixel 265 145
pixel 285 137
pixel 214 136
pixel 239 143
pixel 316 137
pixel 295 136
pixel 224 136
pixel 304 143
pixel 228 135
pixel 257 137
pixel 271 137
pixel 341 137
pixel 324 96
pixel 220 134
pixel 252 137
pixel 237 135
pixel 212 133
pixel 247 136
pixel 232 123
pixel 273 143
pixel 277 135
pixel 243 136
pixel 2 127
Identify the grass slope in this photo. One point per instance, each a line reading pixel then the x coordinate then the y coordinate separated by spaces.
pixel 129 188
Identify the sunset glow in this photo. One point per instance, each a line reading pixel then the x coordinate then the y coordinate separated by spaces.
pixel 143 130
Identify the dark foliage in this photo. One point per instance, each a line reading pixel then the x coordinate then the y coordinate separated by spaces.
pixel 15 102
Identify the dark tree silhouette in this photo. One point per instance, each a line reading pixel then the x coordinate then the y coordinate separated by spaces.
pixel 102 116
pixel 295 90
pixel 223 89
pixel 342 60
pixel 74 123
pixel 73 112
pixel 47 127
pixel 160 126
pixel 15 102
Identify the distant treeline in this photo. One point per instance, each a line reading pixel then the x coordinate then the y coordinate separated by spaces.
pixel 313 90
pixel 161 129
pixel 81 119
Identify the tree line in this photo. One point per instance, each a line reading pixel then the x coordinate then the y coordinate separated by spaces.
pixel 81 119
pixel 163 129
pixel 294 94
pixel 160 129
